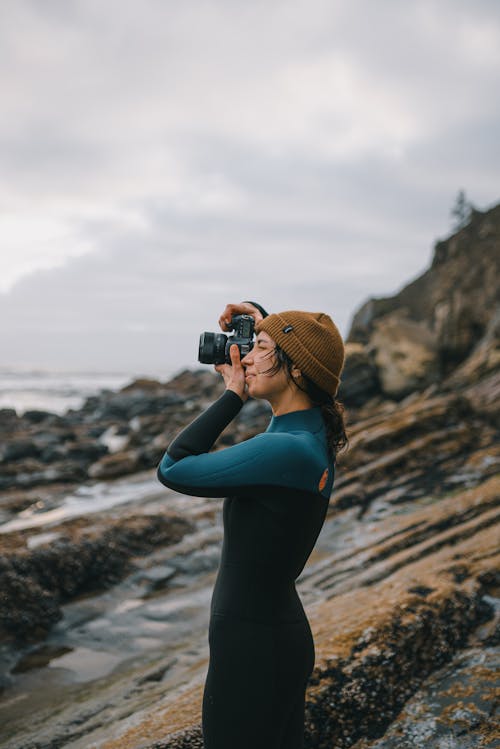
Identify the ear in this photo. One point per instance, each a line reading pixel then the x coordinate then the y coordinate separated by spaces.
pixel 296 373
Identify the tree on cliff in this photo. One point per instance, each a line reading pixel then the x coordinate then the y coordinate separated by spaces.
pixel 461 211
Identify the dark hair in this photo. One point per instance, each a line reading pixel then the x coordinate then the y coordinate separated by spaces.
pixel 332 409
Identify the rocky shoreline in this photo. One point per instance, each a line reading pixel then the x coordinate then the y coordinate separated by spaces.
pixel 425 589
pixel 113 434
pixel 402 591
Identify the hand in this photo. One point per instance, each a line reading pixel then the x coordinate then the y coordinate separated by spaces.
pixel 234 374
pixel 244 308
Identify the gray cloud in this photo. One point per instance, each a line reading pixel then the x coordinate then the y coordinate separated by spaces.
pixel 179 156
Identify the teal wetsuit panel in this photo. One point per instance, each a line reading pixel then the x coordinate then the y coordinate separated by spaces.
pixel 290 454
pixel 293 460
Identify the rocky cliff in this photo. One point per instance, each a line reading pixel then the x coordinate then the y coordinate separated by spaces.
pixel 442 328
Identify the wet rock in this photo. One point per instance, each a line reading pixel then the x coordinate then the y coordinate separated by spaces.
pixel 39 657
pixel 27 608
pixel 156 675
pixel 202 560
pixel 34 582
pixel 455 707
pixel 36 416
pixel 134 404
pixel 8 417
pixel 157 577
pixel 31 473
pixel 16 500
pixel 118 464
pixel 376 645
pixel 44 439
pixel 85 450
pixel 18 449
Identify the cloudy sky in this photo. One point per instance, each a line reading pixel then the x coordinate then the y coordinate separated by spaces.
pixel 161 159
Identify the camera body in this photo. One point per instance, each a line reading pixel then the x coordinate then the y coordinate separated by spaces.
pixel 214 347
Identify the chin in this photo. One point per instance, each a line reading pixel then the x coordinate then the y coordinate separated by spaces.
pixel 252 391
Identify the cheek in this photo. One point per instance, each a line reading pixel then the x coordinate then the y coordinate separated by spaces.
pixel 264 360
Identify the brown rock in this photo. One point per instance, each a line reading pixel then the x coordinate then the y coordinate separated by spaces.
pixel 142 383
pixel 360 378
pixel 117 464
pixel 484 358
pixel 405 354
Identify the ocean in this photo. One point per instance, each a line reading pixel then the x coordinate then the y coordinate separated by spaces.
pixel 55 391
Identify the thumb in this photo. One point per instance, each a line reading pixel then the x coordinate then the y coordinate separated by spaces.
pixel 234 351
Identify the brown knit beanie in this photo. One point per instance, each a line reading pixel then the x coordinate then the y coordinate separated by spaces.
pixel 313 343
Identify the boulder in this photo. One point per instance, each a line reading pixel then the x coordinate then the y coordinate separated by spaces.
pixel 8 417
pixel 360 377
pixel 18 449
pixel 35 416
pixel 404 354
pixel 116 464
pixel 142 383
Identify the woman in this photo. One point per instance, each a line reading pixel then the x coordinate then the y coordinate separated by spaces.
pixel 277 487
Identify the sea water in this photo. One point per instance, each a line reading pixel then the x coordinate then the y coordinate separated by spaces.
pixel 54 391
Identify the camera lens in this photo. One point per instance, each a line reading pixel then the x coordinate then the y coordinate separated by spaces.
pixel 212 348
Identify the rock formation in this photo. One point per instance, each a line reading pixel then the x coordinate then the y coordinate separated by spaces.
pixel 82 555
pixel 444 317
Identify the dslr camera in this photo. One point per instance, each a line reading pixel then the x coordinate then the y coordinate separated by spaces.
pixel 214 347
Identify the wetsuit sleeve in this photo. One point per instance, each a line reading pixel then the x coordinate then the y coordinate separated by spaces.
pixel 199 436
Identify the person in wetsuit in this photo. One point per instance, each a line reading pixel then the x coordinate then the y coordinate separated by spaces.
pixel 276 487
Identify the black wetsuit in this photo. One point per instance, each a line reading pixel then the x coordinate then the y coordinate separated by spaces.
pixel 277 487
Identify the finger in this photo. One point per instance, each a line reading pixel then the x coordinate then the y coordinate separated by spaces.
pixel 226 316
pixel 234 352
pixel 244 308
pixel 237 309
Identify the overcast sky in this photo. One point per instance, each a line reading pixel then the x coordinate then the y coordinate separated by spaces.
pixel 159 159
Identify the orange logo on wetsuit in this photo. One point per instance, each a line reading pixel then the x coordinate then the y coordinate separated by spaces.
pixel 323 480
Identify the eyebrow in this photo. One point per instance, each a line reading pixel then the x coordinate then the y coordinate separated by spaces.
pixel 260 340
